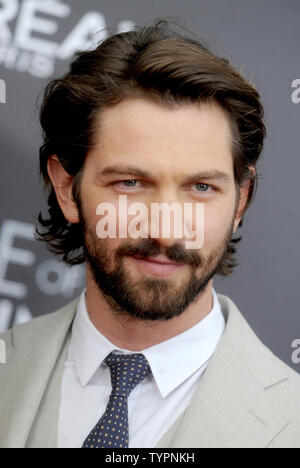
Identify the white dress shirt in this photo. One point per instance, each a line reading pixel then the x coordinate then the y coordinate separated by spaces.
pixel 155 403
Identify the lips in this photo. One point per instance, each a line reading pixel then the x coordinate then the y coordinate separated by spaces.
pixel 161 260
pixel 158 266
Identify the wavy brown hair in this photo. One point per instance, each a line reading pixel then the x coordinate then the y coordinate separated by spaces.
pixel 151 61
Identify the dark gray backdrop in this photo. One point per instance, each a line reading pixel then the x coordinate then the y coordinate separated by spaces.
pixel 262 38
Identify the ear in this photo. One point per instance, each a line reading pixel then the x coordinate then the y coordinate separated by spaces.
pixel 244 192
pixel 62 183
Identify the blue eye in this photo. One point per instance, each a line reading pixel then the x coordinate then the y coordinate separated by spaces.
pixel 200 186
pixel 130 182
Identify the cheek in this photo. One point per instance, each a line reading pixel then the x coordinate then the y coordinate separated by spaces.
pixel 217 221
pixel 102 212
pixel 93 200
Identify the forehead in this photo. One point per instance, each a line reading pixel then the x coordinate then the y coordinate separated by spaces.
pixel 140 131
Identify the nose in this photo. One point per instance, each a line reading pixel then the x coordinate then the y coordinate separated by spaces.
pixel 165 219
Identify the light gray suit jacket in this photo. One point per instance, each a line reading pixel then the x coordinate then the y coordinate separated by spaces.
pixel 247 397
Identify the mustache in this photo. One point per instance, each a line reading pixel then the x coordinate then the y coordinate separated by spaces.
pixel 147 248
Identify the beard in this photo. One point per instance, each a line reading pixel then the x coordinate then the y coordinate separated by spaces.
pixel 149 299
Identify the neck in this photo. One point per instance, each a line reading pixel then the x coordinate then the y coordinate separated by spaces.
pixel 134 334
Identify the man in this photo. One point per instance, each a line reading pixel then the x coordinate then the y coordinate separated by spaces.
pixel 149 355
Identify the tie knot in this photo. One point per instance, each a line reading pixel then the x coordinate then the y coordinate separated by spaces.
pixel 126 370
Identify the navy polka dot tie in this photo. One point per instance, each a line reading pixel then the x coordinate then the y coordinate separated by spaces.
pixel 126 370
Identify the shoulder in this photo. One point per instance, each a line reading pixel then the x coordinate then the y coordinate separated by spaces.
pixel 277 401
pixel 35 331
pixel 250 348
pixel 259 360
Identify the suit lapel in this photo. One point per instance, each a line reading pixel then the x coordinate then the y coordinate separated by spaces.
pixel 44 431
pixel 34 357
pixel 231 407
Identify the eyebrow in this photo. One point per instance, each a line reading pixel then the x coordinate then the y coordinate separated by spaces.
pixel 136 171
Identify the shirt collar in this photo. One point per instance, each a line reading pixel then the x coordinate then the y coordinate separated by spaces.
pixel 172 361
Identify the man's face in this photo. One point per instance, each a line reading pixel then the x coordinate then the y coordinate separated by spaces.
pixel 170 146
